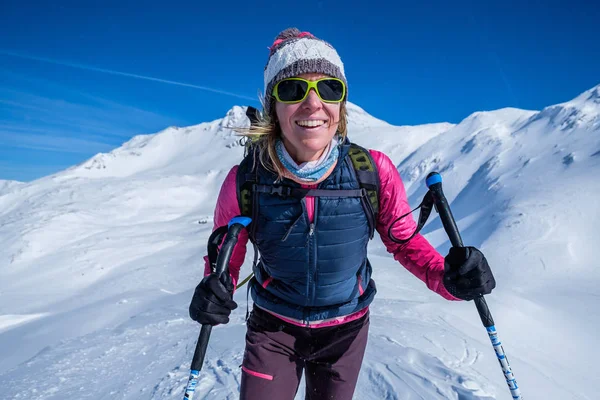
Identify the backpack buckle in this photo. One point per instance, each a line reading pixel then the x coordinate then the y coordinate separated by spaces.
pixel 282 191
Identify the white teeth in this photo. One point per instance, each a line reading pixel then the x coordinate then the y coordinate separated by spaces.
pixel 310 123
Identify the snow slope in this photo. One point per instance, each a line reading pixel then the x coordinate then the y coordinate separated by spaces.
pixel 98 264
pixel 6 186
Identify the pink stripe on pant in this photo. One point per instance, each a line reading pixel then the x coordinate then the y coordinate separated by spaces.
pixel 257 374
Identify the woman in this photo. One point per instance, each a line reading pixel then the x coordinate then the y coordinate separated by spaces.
pixel 312 287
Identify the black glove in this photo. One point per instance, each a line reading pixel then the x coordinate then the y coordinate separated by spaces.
pixel 212 302
pixel 467 273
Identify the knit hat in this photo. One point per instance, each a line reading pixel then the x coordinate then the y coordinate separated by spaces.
pixel 294 53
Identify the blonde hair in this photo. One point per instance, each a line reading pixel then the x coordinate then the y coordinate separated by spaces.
pixel 265 133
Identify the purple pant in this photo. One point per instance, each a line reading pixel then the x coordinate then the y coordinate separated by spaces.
pixel 277 353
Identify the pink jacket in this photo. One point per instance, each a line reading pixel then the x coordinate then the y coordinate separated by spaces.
pixel 418 256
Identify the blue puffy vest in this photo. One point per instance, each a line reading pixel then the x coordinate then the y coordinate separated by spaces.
pixel 311 271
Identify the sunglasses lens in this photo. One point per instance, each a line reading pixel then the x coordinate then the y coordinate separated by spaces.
pixel 291 90
pixel 331 89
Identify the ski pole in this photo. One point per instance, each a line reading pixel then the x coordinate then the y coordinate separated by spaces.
pixel 434 183
pixel 235 226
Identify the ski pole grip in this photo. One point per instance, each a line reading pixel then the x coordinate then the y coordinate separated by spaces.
pixel 434 183
pixel 234 227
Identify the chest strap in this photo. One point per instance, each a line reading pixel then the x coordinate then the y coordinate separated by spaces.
pixel 300 193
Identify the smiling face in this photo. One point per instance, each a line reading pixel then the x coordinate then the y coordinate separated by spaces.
pixel 309 126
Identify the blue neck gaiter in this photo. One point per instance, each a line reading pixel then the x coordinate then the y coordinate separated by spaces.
pixel 310 171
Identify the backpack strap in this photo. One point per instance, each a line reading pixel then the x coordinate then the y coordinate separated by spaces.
pixel 246 178
pixel 368 179
pixel 253 115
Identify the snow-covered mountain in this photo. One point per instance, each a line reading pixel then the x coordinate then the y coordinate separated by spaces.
pixel 98 263
pixel 6 186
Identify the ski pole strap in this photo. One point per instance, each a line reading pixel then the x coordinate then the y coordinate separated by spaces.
pixel 242 283
pixel 214 241
pixel 426 206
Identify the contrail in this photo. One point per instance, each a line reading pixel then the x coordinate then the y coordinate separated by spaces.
pixel 494 57
pixel 108 71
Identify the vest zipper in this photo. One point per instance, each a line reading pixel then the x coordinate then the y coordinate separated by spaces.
pixel 308 247
pixel 313 253
pixel 311 246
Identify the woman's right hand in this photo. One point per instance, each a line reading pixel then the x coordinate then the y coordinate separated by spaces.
pixel 212 302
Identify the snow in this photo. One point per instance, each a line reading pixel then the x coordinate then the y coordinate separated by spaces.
pixel 98 264
pixel 6 186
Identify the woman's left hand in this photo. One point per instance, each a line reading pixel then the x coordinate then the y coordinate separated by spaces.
pixel 467 274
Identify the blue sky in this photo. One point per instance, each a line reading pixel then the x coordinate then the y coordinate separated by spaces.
pixel 82 77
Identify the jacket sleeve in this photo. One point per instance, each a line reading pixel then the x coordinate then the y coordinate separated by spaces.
pixel 418 255
pixel 227 208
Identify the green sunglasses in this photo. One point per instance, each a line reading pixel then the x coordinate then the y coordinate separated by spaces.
pixel 295 90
